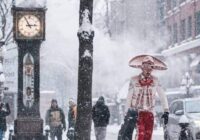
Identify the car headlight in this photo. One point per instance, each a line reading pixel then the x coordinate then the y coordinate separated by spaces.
pixel 197 123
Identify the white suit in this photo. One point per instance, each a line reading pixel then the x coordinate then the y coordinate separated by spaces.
pixel 144 97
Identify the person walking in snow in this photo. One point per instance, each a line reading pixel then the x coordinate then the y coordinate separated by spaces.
pixel 55 119
pixel 100 116
pixel 4 112
pixel 72 114
pixel 142 94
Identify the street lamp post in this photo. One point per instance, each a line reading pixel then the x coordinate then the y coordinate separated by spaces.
pixel 187 82
pixel 84 101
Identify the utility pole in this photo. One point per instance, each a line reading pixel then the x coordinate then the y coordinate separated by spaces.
pixel 84 101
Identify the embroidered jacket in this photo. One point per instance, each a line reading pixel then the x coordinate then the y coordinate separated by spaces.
pixel 142 93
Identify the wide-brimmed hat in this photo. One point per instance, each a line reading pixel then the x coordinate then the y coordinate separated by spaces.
pixel 137 62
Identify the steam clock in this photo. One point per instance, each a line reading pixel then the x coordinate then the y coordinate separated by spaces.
pixel 29 32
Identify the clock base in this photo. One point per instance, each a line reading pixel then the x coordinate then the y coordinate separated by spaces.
pixel 28 129
pixel 29 138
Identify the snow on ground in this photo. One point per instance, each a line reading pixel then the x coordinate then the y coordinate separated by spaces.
pixel 112 133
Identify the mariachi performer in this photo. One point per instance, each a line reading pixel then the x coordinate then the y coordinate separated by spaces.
pixel 141 98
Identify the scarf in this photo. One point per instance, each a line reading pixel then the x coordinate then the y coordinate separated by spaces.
pixel 145 81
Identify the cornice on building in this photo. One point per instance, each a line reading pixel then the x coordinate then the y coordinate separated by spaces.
pixel 182 47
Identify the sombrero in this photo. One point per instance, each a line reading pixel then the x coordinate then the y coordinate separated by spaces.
pixel 137 61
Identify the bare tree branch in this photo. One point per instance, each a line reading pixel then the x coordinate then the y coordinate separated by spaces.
pixel 9 35
pixel 5 20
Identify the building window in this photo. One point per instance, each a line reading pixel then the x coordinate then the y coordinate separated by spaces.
pixel 181 1
pixel 197 32
pixel 170 35
pixel 161 13
pixel 169 2
pixel 189 27
pixel 175 33
pixel 174 3
pixel 182 30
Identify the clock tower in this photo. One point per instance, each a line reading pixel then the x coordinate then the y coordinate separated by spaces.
pixel 29 33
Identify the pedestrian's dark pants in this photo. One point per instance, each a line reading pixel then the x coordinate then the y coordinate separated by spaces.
pixel 100 133
pixel 145 125
pixel 1 134
pixel 56 132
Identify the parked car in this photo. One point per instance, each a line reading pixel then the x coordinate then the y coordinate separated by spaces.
pixel 189 107
pixel 176 93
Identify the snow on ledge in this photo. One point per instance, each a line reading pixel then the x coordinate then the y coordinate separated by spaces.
pixel 87 54
pixel 86 29
pixel 32 4
pixel 183 47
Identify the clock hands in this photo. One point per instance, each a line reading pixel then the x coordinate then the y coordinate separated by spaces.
pixel 33 25
pixel 28 24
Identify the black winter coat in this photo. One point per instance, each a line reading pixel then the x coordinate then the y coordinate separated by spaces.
pixel 100 115
pixel 3 113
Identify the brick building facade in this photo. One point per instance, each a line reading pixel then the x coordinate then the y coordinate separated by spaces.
pixel 128 18
pixel 182 20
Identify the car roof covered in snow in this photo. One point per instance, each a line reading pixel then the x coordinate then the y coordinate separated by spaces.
pixel 187 99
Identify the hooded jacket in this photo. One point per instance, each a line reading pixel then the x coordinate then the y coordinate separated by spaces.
pixel 100 113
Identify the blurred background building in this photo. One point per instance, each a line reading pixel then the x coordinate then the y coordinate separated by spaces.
pixel 182 20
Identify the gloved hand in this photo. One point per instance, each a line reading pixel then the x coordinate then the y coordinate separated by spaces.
pixel 131 115
pixel 165 116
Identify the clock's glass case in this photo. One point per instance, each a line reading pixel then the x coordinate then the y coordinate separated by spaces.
pixel 28 80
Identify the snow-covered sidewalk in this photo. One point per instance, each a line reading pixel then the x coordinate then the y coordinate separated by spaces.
pixel 112 133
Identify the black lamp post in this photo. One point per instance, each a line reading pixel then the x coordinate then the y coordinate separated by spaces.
pixel 84 103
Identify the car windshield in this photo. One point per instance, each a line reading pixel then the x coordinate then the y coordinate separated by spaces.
pixel 173 97
pixel 192 106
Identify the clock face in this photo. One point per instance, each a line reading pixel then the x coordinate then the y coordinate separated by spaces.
pixel 29 25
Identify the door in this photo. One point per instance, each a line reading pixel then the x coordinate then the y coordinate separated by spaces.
pixel 173 126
